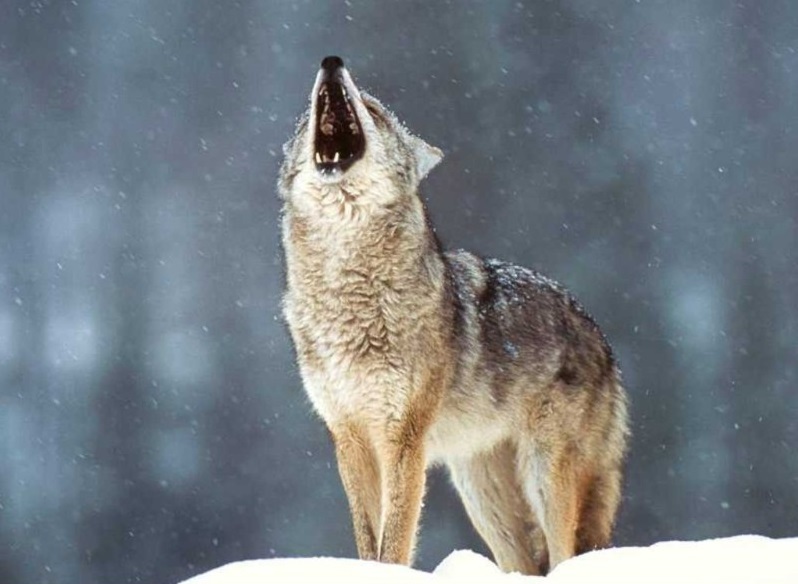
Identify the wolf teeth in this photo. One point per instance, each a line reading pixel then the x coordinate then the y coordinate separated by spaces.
pixel 322 158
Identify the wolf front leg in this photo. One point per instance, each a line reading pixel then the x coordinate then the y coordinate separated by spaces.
pixel 360 475
pixel 403 490
pixel 549 477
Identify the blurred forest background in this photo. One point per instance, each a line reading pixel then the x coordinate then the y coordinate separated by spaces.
pixel 152 421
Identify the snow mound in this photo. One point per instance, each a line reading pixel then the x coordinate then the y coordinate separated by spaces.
pixel 468 566
pixel 301 570
pixel 743 559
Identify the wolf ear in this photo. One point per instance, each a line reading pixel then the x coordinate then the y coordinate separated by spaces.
pixel 427 157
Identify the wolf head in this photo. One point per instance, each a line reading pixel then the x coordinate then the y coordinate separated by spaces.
pixel 349 150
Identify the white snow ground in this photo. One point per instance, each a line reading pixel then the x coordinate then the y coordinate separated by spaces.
pixel 744 559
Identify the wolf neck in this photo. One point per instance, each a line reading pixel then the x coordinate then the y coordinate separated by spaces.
pixel 366 255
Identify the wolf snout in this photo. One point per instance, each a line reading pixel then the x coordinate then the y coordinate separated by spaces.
pixel 331 64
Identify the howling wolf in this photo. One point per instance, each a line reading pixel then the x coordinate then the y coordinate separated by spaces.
pixel 415 356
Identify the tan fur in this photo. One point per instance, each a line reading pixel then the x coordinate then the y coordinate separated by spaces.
pixel 413 356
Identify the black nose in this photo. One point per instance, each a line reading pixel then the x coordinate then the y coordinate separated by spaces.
pixel 332 63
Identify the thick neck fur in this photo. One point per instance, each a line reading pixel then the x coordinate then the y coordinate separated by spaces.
pixel 361 280
pixel 346 247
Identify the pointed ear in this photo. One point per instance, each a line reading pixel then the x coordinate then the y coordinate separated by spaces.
pixel 427 157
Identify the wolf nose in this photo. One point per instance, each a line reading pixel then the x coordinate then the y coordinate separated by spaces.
pixel 332 63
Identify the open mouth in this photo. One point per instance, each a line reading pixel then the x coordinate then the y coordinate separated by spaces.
pixel 339 140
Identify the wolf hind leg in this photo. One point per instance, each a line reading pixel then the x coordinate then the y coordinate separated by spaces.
pixel 491 493
pixel 602 486
pixel 599 507
pixel 551 487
